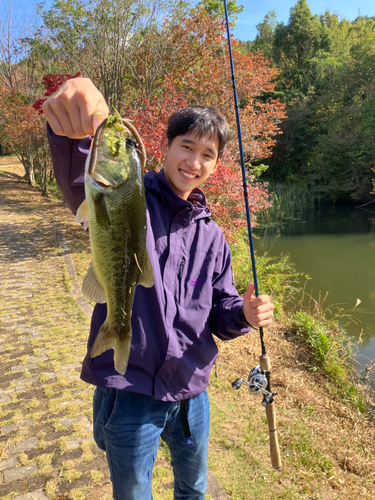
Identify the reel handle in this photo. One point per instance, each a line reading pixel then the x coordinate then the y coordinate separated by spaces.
pixel 265 365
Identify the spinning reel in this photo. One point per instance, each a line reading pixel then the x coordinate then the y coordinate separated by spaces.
pixel 257 383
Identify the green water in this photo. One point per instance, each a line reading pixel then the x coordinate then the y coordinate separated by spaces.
pixel 336 248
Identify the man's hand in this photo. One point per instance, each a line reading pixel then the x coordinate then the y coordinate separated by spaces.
pixel 258 311
pixel 76 109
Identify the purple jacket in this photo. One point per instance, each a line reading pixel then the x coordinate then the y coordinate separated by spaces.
pixel 173 349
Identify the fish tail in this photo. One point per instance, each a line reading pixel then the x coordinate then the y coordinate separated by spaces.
pixel 108 339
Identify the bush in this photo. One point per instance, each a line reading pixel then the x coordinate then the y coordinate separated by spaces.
pixel 277 276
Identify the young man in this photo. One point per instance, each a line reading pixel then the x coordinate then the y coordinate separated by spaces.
pixel 163 392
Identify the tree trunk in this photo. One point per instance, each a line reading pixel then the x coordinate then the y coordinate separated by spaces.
pixel 29 169
pixel 44 178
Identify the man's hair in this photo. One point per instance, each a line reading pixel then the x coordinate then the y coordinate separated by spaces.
pixel 201 120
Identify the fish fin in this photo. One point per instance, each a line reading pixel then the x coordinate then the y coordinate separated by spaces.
pixel 147 277
pixel 82 215
pixel 108 339
pixel 101 212
pixel 91 288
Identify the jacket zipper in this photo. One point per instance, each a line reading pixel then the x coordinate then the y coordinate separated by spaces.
pixel 180 278
pixel 181 268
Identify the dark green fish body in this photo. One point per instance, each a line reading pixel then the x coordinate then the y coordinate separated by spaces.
pixel 117 219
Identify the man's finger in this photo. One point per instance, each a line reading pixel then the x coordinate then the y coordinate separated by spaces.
pixel 97 118
pixel 75 123
pixel 262 308
pixel 52 119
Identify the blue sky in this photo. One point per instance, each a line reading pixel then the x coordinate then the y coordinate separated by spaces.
pixel 255 10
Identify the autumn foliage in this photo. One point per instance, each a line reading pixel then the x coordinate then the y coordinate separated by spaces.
pixel 198 72
pixel 185 62
pixel 52 83
pixel 197 65
pixel 151 119
pixel 23 131
pixel 224 188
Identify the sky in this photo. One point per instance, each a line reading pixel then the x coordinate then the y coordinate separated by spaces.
pixel 255 10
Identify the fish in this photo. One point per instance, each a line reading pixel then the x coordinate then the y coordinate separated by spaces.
pixel 114 210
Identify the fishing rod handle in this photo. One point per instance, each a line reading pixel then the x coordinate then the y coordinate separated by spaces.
pixel 265 365
pixel 274 442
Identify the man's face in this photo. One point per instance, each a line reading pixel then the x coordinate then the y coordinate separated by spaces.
pixel 189 161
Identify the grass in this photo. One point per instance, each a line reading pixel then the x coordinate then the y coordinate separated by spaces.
pixel 288 202
pixel 333 352
pixel 310 436
pixel 238 452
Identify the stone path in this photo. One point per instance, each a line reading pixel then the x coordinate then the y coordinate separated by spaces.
pixel 46 445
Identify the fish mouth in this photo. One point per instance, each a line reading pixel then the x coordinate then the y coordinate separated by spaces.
pixel 99 179
pixel 101 184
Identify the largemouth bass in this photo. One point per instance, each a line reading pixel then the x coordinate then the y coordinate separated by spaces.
pixel 116 212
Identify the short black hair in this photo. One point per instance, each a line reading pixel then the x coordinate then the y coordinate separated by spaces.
pixel 202 120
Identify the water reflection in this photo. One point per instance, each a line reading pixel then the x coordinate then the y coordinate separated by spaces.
pixel 335 246
pixel 324 220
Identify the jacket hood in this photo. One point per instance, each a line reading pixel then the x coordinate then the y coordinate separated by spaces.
pixel 157 184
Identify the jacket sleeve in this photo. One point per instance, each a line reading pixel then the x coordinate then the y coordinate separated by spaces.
pixel 226 317
pixel 68 161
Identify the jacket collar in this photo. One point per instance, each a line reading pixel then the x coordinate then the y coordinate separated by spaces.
pixel 159 186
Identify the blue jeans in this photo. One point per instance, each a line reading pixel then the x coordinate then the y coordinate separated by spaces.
pixel 128 427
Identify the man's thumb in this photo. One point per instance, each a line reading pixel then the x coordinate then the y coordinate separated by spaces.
pixel 97 118
pixel 249 294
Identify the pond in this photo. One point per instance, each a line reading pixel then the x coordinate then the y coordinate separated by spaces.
pixel 335 246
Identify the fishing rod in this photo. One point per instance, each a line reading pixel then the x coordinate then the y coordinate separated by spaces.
pixel 259 379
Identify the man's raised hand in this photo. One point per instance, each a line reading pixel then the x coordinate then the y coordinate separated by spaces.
pixel 76 109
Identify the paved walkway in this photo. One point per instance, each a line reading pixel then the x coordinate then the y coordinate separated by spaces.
pixel 46 445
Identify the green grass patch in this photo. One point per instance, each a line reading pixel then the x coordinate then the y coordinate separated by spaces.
pixel 333 352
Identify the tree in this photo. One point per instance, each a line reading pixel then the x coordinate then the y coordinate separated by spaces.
pixel 296 44
pixel 265 38
pixel 224 188
pixel 15 25
pixel 327 140
pixel 23 132
pixel 52 83
pixel 215 8
pixel 192 56
pixel 344 155
pixel 187 47
pixel 151 117
pixel 182 60
pixel 100 38
pixel 40 56
pixel 201 75
pixel 9 49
